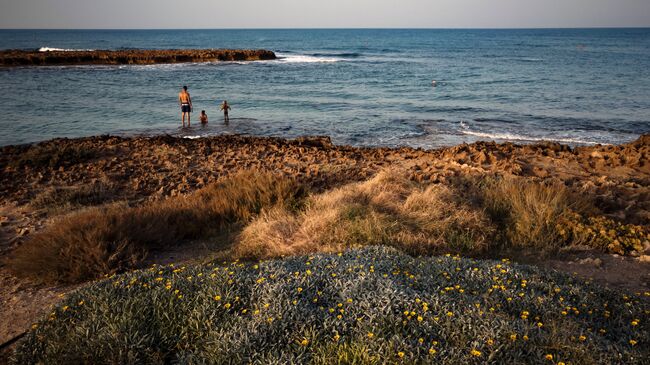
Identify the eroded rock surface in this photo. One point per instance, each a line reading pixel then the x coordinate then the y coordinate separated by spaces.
pixel 617 177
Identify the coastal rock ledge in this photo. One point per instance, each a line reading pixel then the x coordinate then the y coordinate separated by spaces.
pixel 9 58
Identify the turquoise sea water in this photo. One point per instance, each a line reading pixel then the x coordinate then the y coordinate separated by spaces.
pixel 361 87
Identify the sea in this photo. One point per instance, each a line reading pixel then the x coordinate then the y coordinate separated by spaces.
pixel 424 88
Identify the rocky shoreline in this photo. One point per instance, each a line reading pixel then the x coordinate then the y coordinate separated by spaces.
pixel 12 58
pixel 616 177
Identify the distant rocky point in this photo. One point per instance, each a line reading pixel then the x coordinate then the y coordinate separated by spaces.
pixel 9 58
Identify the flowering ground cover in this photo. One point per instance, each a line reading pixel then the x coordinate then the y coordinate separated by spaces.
pixel 374 305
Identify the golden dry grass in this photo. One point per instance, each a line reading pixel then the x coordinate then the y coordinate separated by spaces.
pixel 388 209
pixel 113 238
pixel 271 216
pixel 528 212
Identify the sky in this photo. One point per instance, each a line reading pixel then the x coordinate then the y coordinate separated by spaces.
pixel 180 14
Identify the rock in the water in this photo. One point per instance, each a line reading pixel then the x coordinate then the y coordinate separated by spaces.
pixel 10 58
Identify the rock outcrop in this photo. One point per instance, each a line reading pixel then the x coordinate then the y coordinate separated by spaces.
pixel 10 58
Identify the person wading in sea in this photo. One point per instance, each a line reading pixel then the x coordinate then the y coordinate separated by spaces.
pixel 186 105
pixel 225 107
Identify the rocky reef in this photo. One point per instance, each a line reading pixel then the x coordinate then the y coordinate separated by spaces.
pixel 12 58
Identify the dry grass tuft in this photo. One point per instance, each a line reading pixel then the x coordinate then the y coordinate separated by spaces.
pixel 388 209
pixel 528 212
pixel 103 240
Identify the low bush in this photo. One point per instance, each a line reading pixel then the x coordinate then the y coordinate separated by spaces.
pixel 369 306
pixel 100 240
pixel 548 216
pixel 604 233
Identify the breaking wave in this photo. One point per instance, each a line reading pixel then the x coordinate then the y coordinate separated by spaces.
pixel 51 49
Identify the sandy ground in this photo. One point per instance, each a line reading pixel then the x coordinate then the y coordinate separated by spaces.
pixel 139 169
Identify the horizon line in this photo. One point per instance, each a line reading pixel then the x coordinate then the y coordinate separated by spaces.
pixel 350 28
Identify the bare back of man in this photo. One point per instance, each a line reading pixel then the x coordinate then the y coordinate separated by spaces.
pixel 185 100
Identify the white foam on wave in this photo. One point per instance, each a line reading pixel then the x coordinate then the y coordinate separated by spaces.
pixel 51 49
pixel 527 59
pixel 517 137
pixel 285 58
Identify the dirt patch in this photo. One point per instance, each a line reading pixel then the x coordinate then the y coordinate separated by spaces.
pixel 629 274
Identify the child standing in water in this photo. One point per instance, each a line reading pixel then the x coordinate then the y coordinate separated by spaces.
pixel 204 117
pixel 225 107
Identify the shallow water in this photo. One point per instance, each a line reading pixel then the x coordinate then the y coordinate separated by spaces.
pixel 361 87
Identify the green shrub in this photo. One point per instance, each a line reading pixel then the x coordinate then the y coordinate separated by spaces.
pixel 374 305
pixel 604 233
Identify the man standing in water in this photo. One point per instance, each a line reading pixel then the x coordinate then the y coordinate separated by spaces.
pixel 186 105
pixel 225 107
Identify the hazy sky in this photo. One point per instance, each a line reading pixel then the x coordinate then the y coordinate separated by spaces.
pixel 323 13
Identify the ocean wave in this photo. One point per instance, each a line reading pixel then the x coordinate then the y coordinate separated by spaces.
pixel 51 49
pixel 347 55
pixel 299 58
pixel 518 137
pixel 527 59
